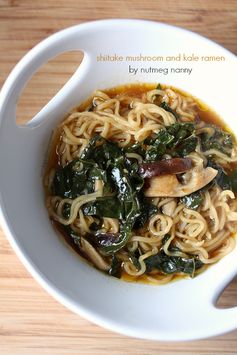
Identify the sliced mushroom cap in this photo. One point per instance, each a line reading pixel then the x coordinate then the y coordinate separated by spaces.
pixel 93 255
pixel 169 186
pixel 163 167
pixel 169 208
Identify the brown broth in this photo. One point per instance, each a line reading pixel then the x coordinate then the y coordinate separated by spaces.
pixel 204 112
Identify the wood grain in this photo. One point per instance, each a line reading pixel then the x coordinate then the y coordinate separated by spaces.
pixel 31 321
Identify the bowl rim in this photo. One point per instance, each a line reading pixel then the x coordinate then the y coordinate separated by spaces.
pixel 26 259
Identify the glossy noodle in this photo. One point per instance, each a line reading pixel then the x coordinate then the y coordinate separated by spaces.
pixel 142 185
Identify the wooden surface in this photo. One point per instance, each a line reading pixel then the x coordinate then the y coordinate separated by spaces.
pixel 31 321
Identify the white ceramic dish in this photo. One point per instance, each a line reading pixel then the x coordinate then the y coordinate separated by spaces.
pixel 182 310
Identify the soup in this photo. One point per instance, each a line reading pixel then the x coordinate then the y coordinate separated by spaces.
pixel 141 181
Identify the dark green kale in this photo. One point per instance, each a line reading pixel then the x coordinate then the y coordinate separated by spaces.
pixel 146 211
pixel 115 268
pixel 193 200
pixel 73 235
pixel 106 206
pixel 167 108
pixel 88 152
pixel 136 148
pixel 77 178
pixel 69 182
pixel 225 181
pixel 212 137
pixel 181 131
pixel 186 147
pixel 105 161
pixel 125 190
pixel 172 264
pixel 134 260
pixel 158 145
pixel 66 210
pixel 232 180
pixel 163 136
pixel 112 245
pixel 155 152
pixel 177 140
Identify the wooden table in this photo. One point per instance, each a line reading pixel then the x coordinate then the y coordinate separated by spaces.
pixel 31 321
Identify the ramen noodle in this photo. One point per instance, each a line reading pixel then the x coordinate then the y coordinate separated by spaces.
pixel 141 181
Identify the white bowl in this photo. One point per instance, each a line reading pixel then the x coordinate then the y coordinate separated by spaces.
pixel 181 310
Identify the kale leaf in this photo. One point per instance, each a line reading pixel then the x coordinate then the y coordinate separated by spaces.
pixel 68 182
pixel 106 161
pixel 215 138
pixel 181 131
pixel 77 178
pixel 112 245
pixel 167 108
pixel 193 200
pixel 106 206
pixel 186 147
pixel 88 152
pixel 135 148
pixel 115 268
pixel 134 260
pixel 146 211
pixel 177 140
pixel 225 181
pixel 172 264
